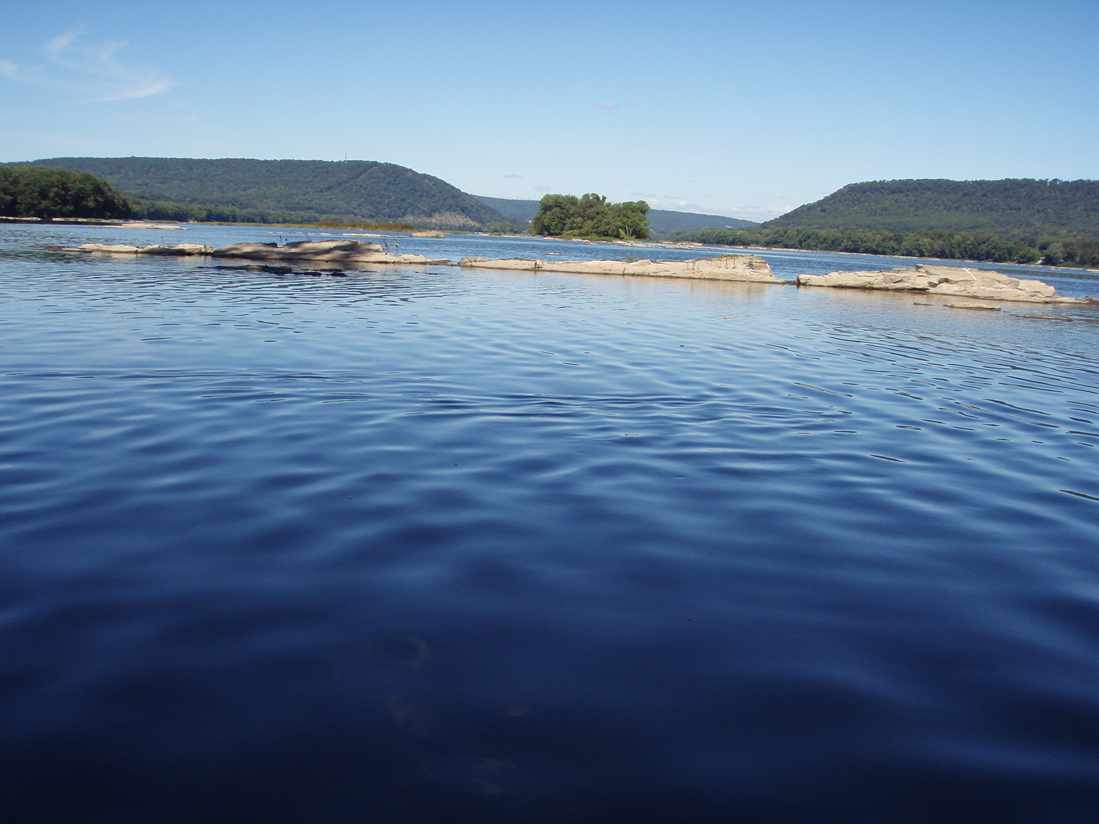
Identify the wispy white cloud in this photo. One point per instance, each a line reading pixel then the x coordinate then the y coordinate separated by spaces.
pixel 56 46
pixel 94 68
pixel 606 106
pixel 8 69
pixel 513 176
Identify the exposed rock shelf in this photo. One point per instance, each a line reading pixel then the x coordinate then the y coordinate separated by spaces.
pixel 942 281
pixel 737 268
pixel 947 281
pixel 323 251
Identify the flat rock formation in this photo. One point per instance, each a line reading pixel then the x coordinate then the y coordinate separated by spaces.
pixel 325 251
pixel 736 268
pixel 948 281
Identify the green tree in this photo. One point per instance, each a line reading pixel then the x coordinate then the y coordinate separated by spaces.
pixel 590 216
pixel 31 191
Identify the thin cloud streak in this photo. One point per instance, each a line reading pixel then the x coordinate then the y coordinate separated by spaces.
pixel 8 69
pixel 56 46
pixel 95 68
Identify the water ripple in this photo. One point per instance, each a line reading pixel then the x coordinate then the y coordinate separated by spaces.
pixel 555 546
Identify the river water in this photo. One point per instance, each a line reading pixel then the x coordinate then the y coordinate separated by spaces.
pixel 429 541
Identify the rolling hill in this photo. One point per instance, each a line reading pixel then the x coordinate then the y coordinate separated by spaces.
pixel 1015 207
pixel 284 190
pixel 661 221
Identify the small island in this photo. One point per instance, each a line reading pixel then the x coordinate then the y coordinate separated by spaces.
pixel 591 216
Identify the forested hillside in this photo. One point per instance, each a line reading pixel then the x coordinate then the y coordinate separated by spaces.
pixel 284 190
pixel 1026 221
pixel 1021 208
pixel 661 221
pixel 29 191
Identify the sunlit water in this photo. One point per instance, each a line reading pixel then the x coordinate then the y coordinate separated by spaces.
pixel 310 548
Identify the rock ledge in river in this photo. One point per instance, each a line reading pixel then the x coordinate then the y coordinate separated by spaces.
pixel 735 268
pixel 948 281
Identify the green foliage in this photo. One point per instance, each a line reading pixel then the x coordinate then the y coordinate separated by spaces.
pixel 29 191
pixel 591 216
pixel 1022 221
pixel 1018 208
pixel 661 221
pixel 284 191
pixel 937 244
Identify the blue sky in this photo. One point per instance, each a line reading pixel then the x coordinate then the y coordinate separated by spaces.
pixel 736 108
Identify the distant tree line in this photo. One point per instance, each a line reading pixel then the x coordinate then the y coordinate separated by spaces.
pixel 591 216
pixel 1070 250
pixel 30 191
pixel 1015 207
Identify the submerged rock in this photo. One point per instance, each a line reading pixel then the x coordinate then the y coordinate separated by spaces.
pixel 949 281
pixel 300 250
pixel 736 268
pixel 328 251
pixel 176 250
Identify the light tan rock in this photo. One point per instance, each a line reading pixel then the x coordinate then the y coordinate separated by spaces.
pixel 104 248
pixel 429 233
pixel 949 281
pixel 737 268
pixel 176 250
pixel 386 258
pixel 520 264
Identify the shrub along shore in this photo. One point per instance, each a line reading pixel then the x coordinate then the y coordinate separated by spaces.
pixel 1052 251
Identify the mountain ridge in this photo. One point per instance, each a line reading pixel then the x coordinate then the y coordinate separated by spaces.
pixel 1012 206
pixel 284 190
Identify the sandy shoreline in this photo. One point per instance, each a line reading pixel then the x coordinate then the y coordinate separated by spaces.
pixel 88 221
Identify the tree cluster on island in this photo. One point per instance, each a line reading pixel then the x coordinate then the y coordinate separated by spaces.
pixel 31 191
pixel 591 216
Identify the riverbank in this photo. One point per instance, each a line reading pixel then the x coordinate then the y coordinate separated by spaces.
pixel 91 221
pixel 685 244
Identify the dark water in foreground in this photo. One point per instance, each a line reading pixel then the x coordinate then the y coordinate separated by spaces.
pixel 289 548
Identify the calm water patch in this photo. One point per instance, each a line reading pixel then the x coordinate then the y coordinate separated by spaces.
pixel 418 540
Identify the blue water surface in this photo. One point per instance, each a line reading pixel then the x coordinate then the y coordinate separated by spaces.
pixel 425 541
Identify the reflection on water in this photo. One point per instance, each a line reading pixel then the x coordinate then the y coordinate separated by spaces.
pixel 280 546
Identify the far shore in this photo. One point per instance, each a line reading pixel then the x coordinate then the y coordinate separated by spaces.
pixel 428 232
